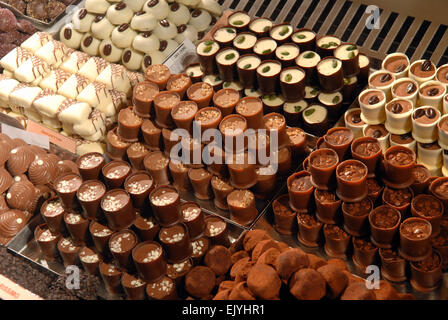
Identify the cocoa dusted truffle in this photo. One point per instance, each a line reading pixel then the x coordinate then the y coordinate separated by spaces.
pixel 253 237
pixel 263 246
pixel 218 259
pixel 291 261
pixel 241 292
pixel 200 281
pixel 358 291
pixel 264 282
pixel 386 291
pixel 336 280
pixel 237 256
pixel 307 284
pixel 269 257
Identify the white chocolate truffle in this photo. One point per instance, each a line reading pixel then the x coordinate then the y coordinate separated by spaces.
pixel 32 70
pixel 146 42
pixel 200 19
pixel 123 36
pixel 211 6
pixel 70 37
pixel 73 112
pixel 167 47
pixel 132 59
pixel 73 86
pixel 165 30
pixel 97 6
pixel 159 8
pixel 54 80
pixel 186 31
pixel 82 20
pixel 14 59
pixel 101 27
pixel 135 5
pixel 92 68
pixel 115 78
pixel 143 21
pixel 119 13
pixel 95 94
pixel 74 62
pixel 53 53
pixel 109 51
pixel 48 103
pixel 90 44
pixel 155 57
pixel 179 14
pixel 36 41
pixel 189 3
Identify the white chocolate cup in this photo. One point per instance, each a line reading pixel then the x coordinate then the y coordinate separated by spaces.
pixel 416 78
pixel 412 145
pixel 445 104
pixel 413 97
pixel 400 123
pixel 386 89
pixel 428 157
pixel 373 114
pixel 357 130
pixel 401 74
pixel 384 141
pixel 424 133
pixel 436 101
pixel 443 136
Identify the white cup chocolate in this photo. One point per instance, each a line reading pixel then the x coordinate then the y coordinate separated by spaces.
pixel 442 128
pixel 429 155
pixel 431 94
pixel 380 133
pixel 405 140
pixel 424 123
pixel 406 88
pixel 422 71
pixel 372 109
pixel 382 80
pixel 397 63
pixel 445 104
pixel 355 122
pixel 398 116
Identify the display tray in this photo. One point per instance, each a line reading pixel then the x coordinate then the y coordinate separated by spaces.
pixel 39 24
pixel 25 246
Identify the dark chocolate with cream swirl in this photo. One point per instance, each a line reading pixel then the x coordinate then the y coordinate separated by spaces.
pixel 19 160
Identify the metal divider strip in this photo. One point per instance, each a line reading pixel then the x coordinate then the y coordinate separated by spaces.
pixel 331 16
pixel 424 42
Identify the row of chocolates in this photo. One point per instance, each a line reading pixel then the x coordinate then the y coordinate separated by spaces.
pixel 406 104
pixel 138 33
pixel 341 175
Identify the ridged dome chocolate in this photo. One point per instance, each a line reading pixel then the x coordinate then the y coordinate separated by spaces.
pixel 11 222
pixel 67 166
pixel 5 148
pixel 18 143
pixel 4 137
pixel 22 196
pixel 42 171
pixel 38 151
pixel 3 205
pixel 6 180
pixel 19 160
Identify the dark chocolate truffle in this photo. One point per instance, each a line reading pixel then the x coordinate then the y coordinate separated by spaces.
pixel 336 280
pixel 218 259
pixel 239 255
pixel 269 257
pixel 358 291
pixel 307 284
pixel 241 292
pixel 291 261
pixel 263 246
pixel 200 281
pixel 253 237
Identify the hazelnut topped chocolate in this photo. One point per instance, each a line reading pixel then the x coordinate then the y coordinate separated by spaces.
pixel 415 229
pixel 301 183
pixel 361 208
pixel 397 197
pixel 334 232
pixel 367 148
pixel 352 171
pixel 122 242
pixel 401 157
pixel 427 206
pixel 324 159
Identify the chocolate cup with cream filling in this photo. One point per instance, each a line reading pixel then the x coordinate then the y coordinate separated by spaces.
pixel 242 207
pixel 364 69
pixel 326 50
pixel 351 177
pixel 332 82
pixel 173 85
pixel 326 211
pixel 164 102
pixel 198 77
pixel 115 146
pixel 175 242
pixel 268 82
pixel 247 72
pixel 309 230
pixel 310 69
pixel 111 277
pixel 422 177
pixel 139 185
pixel 90 165
pixel 221 189
pixel 422 71
pixel 263 32
pixel 115 173
pixel 431 93
pixel 398 175
pixel 146 228
pixel 151 135
pixel 48 242
pixel 422 211
pixel 355 218
pixel 156 164
pixel 323 173
pixel 285 28
pixel 292 86
pixel 226 100
pixel 227 71
pixel 354 122
pixel 240 25
pixel 251 108
pixel 183 114
pixel 66 187
pixel 415 242
pixel 396 63
pixel 398 113
pixel 89 196
pixel 339 142
pixel 165 201
pixel 224 41
pixel 207 61
pixel 309 45
pixel 425 280
pixel 204 99
pixel 337 241
pixel 216 230
pixel 149 261
pixel 242 171
pixel 179 174
pixel 193 219
pixel 143 97
pixel 372 103
pixel 363 256
pixel 382 80
pixel 299 195
pixel 437 189
pixel 284 215
pixel 118 210
pixel 90 262
pixel 406 88
pixel 200 180
pixel 120 245
pixel 128 125
pixel 133 287
pixel 369 156
pixel 53 216
pixel 393 267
